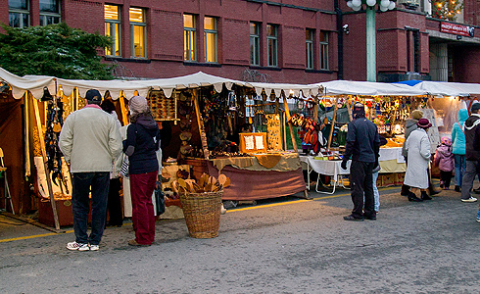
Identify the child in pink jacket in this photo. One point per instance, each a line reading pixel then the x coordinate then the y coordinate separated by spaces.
pixel 444 160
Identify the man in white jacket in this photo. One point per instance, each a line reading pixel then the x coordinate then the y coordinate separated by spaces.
pixel 90 142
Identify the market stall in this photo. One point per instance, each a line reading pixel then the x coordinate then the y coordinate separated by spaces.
pixel 387 105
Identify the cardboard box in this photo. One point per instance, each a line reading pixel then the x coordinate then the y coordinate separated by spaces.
pixel 386 180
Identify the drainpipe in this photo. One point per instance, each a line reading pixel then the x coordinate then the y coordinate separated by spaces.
pixel 340 39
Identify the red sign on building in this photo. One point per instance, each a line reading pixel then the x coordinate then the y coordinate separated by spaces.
pixel 456 29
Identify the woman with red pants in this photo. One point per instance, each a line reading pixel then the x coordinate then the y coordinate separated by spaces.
pixel 143 140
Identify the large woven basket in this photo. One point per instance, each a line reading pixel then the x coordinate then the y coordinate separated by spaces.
pixel 202 213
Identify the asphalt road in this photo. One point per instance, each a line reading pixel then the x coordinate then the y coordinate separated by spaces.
pixel 281 246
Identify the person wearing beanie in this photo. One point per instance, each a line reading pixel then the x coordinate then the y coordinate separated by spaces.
pixel 141 146
pixel 363 145
pixel 458 147
pixel 410 125
pixel 418 157
pixel 472 154
pixel 90 142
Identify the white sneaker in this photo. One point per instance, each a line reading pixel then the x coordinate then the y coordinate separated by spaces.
pixel 77 246
pixel 471 199
pixel 94 247
pixel 478 220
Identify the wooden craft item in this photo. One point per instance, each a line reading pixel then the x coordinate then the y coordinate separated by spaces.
pixel 289 119
pixel 274 141
pixel 44 157
pixel 201 127
pixel 333 123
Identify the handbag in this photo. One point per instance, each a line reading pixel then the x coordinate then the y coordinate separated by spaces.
pixel 125 166
pixel 159 201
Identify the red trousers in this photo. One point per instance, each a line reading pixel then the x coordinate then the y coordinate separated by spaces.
pixel 143 216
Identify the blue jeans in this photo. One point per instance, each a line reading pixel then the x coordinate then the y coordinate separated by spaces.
pixel 81 182
pixel 478 213
pixel 460 165
pixel 376 195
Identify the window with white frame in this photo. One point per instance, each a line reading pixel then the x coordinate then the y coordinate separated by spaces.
pixel 324 50
pixel 210 29
pixel 272 45
pixel 138 30
pixel 190 37
pixel 254 43
pixel 18 13
pixel 49 12
pixel 112 29
pixel 309 35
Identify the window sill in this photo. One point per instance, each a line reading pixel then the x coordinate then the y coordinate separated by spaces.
pixel 266 68
pixel 190 63
pixel 327 71
pixel 121 59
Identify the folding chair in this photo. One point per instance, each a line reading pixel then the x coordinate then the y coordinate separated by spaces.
pixel 7 195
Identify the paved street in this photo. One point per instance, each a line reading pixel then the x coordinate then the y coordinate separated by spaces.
pixel 279 246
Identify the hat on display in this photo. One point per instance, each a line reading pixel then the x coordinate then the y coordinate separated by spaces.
pixel 417 114
pixel 475 106
pixel 138 104
pixel 94 96
pixel 424 123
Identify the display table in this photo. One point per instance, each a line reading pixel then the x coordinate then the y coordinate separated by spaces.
pixel 254 181
pixel 390 160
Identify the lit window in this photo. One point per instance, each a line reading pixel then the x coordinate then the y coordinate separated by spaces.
pixel 18 13
pixel 138 30
pixel 272 45
pixel 49 12
pixel 254 43
pixel 309 48
pixel 324 50
pixel 210 29
pixel 190 37
pixel 112 29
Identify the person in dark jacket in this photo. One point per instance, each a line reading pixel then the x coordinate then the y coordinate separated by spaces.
pixel 143 140
pixel 472 155
pixel 363 144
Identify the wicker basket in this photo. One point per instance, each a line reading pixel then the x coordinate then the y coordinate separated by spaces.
pixel 202 213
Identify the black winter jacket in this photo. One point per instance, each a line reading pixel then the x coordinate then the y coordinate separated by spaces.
pixel 143 140
pixel 471 153
pixel 362 140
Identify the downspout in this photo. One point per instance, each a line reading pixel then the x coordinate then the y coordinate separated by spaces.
pixel 340 39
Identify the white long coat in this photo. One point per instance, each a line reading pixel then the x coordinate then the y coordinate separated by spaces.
pixel 418 150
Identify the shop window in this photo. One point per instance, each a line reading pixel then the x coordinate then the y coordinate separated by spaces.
pixel 272 45
pixel 210 29
pixel 254 43
pixel 309 48
pixel 324 50
pixel 49 12
pixel 413 57
pixel 112 29
pixel 138 27
pixel 18 13
pixel 190 37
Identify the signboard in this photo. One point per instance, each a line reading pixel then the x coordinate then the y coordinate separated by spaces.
pixel 456 29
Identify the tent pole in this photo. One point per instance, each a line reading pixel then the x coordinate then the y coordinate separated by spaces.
pixel 287 112
pixel 333 123
pixel 45 165
pixel 201 127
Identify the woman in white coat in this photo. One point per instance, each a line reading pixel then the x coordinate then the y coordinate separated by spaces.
pixel 417 147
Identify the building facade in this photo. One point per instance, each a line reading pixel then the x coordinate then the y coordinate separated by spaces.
pixel 294 41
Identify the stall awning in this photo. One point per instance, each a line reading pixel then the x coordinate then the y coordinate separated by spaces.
pixel 294 89
pixel 448 88
pixel 34 84
pixel 342 87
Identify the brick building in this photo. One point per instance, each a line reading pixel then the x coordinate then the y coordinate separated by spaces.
pixel 295 41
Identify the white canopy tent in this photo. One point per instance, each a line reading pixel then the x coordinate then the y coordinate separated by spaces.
pixel 448 88
pixel 36 84
pixel 342 87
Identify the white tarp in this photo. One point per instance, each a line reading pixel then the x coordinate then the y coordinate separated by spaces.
pixel 34 84
pixel 448 88
pixel 295 89
pixel 342 87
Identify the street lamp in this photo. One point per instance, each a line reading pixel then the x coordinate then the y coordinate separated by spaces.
pixel 383 5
